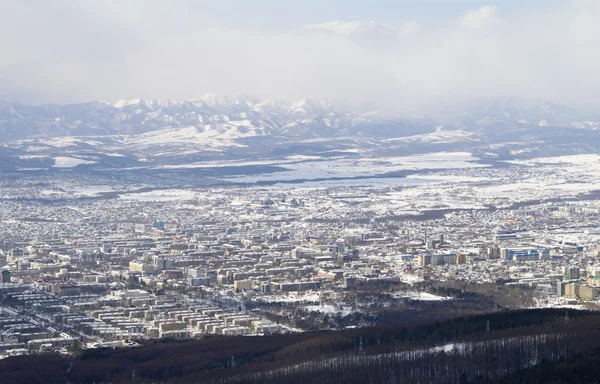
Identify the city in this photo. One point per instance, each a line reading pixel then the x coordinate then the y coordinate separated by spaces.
pixel 299 192
pixel 87 272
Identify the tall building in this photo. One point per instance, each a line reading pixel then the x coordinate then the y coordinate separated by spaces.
pixel 493 252
pixel 572 290
pixel 160 262
pixel 444 259
pixel 571 273
pixel 5 276
pixel 350 282
pixel 587 293
pixel 265 287
pixel 159 224
pixel 137 266
pixel 524 254
pixel 424 260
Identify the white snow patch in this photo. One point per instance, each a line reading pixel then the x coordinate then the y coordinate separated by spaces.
pixel 303 157
pixel 70 162
pixel 160 195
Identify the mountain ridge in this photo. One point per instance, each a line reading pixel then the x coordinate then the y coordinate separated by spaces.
pixel 253 117
pixel 213 127
pixel 243 116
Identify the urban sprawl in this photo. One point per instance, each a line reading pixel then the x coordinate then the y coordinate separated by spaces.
pixel 87 272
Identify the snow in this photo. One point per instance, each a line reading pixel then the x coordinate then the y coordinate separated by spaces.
pixel 292 297
pixel 365 167
pixel 160 195
pixel 421 296
pixel 70 162
pixel 208 136
pixel 303 157
pixel 522 150
pixel 329 309
pixel 61 142
pixel 581 160
pixel 440 136
pixel 410 279
pixel 123 103
pixel 31 157
pixel 452 178
pixel 92 190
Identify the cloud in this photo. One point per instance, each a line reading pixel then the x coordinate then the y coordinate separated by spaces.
pixel 409 27
pixel 72 51
pixel 477 18
pixel 360 30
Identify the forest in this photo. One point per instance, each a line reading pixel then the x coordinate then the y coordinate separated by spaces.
pixel 524 346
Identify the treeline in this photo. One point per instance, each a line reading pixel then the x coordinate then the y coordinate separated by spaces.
pixel 476 349
pixel 463 363
pixel 478 355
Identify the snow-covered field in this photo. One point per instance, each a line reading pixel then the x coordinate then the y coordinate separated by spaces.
pixel 421 296
pixel 160 195
pixel 365 167
pixel 438 137
pixel 70 162
pixel 292 297
pixel 329 309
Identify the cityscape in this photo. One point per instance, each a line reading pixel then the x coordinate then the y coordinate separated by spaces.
pixel 299 192
pixel 86 270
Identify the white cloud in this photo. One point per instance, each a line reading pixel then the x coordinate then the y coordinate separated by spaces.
pixel 362 30
pixel 477 18
pixel 409 27
pixel 70 51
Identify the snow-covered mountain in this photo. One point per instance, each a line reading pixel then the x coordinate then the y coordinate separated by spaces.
pixel 132 133
pixel 231 117
pixel 518 113
pixel 246 116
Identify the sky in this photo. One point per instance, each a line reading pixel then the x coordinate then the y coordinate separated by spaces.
pixel 408 55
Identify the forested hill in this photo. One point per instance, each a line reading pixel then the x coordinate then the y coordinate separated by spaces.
pixel 529 346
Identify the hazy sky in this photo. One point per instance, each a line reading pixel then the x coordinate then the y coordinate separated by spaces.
pixel 385 53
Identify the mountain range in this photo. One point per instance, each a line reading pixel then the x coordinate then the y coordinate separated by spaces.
pixel 230 117
pixel 244 116
pixel 130 132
